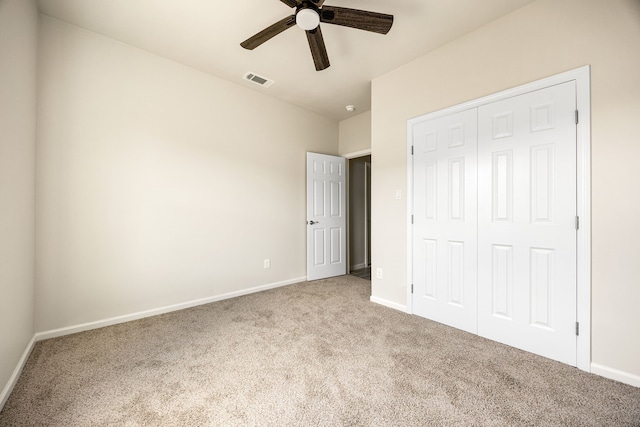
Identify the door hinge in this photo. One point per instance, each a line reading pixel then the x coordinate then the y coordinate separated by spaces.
pixel 412 150
pixel 577 117
pixel 577 223
pixel 577 328
pixel 412 288
pixel 411 219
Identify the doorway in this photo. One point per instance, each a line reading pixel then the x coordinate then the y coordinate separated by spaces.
pixel 360 216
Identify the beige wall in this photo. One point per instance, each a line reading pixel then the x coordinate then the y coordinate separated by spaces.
pixel 18 45
pixel 159 184
pixel 539 40
pixel 355 134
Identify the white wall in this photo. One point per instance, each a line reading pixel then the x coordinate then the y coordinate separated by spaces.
pixel 18 46
pixel 159 184
pixel 542 39
pixel 355 133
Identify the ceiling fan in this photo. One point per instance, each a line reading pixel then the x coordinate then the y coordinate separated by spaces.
pixel 308 16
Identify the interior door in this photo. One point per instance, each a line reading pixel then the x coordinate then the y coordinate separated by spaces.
pixel 526 222
pixel 445 216
pixel 326 216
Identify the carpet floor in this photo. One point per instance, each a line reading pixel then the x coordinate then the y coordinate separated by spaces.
pixel 317 353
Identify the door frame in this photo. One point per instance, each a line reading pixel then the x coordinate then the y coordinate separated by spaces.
pixel 349 156
pixel 367 214
pixel 582 77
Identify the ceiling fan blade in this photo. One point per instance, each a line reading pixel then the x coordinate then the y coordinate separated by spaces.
pixel 291 3
pixel 269 32
pixel 354 18
pixel 318 50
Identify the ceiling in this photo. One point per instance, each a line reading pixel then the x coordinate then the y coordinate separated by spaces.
pixel 206 35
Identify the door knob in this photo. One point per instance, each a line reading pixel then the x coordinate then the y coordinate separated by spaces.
pixel 313 222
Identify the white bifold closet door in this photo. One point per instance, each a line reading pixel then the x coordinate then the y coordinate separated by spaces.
pixel 527 222
pixel 445 218
pixel 494 236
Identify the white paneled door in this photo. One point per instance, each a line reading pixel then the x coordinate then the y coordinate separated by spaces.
pixel 494 234
pixel 326 216
pixel 527 222
pixel 445 211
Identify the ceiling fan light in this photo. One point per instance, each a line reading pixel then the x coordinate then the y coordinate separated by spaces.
pixel 307 19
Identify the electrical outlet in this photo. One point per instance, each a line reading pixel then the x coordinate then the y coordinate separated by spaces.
pixel 398 194
pixel 378 273
pixel 267 263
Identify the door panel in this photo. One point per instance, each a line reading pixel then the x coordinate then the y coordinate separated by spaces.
pixel 494 238
pixel 526 222
pixel 326 216
pixel 445 209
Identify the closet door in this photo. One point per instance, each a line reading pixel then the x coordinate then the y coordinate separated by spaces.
pixel 445 211
pixel 526 222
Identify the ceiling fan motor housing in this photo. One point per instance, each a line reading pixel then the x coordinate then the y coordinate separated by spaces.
pixel 308 18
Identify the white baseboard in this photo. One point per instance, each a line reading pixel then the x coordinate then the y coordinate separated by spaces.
pixel 4 396
pixel 614 374
pixel 54 333
pixel 389 304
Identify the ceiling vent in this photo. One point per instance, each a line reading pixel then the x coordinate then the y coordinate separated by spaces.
pixel 259 80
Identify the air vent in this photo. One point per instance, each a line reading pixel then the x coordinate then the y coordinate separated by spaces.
pixel 259 80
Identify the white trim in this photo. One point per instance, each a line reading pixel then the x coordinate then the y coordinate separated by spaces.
pixel 358 266
pixel 357 154
pixel 367 208
pixel 582 77
pixel 54 333
pixel 6 392
pixel 347 207
pixel 583 209
pixel 409 154
pixel 615 374
pixel 389 304
pixel 577 74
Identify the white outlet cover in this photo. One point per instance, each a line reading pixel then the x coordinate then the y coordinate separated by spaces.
pixel 398 194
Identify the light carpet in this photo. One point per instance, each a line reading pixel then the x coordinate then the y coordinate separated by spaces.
pixel 316 353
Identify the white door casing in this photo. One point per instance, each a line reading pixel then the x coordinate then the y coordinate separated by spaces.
pixel 445 211
pixel 367 215
pixel 527 222
pixel 326 216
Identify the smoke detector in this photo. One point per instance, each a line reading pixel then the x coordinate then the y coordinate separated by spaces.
pixel 259 80
pixel 350 108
